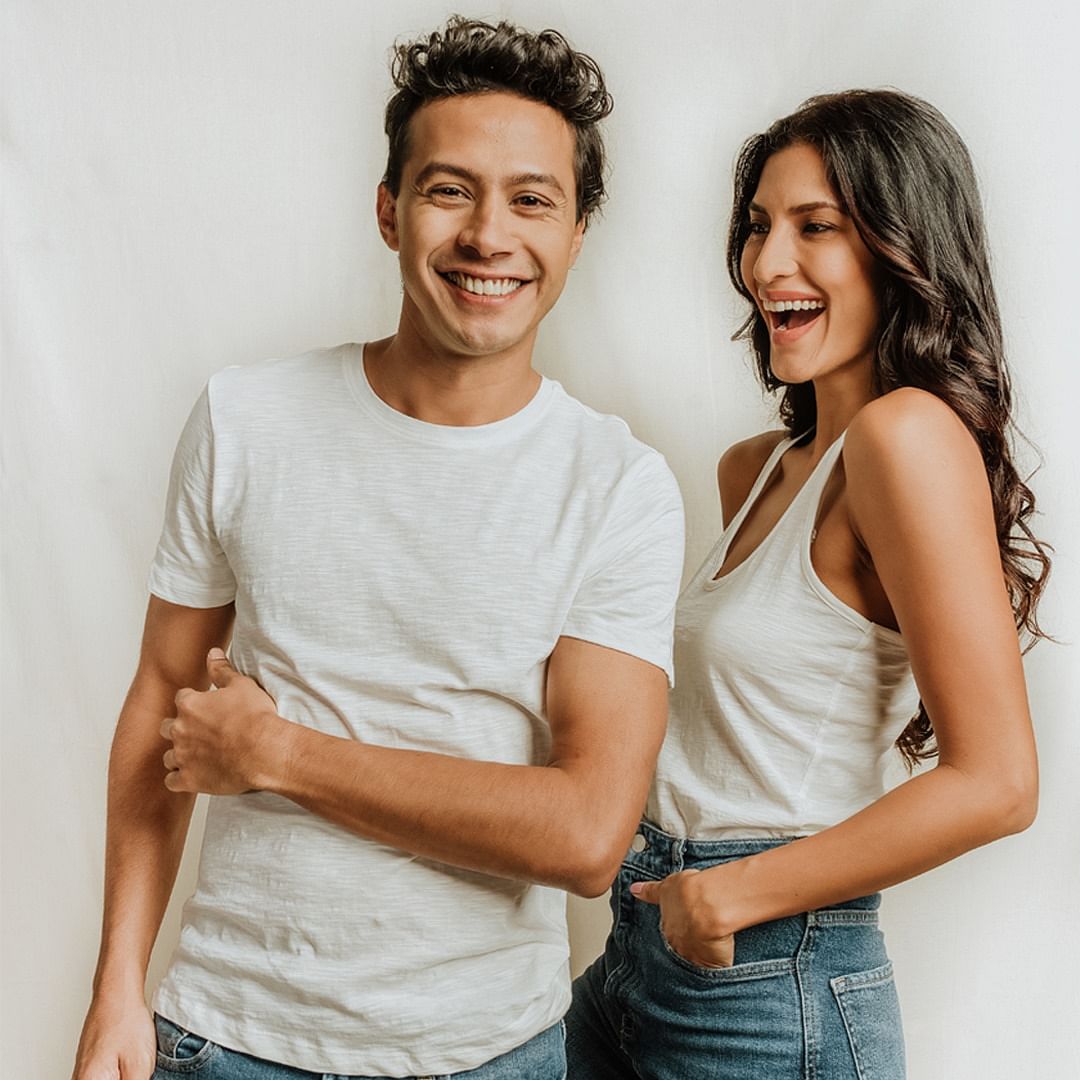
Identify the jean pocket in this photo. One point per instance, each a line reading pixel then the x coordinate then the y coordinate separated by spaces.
pixel 753 969
pixel 870 1009
pixel 179 1050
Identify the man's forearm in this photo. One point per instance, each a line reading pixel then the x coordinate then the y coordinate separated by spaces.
pixel 566 823
pixel 147 826
pixel 537 823
pixel 147 823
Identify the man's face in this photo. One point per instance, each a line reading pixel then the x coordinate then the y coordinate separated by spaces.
pixel 484 222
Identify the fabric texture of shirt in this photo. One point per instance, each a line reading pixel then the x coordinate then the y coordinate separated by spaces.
pixel 403 584
pixel 788 701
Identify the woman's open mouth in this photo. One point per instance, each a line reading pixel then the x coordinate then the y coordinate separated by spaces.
pixel 788 319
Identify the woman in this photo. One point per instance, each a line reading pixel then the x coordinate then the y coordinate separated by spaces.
pixel 875 565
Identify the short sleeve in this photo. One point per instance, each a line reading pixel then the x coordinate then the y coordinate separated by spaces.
pixel 190 568
pixel 626 600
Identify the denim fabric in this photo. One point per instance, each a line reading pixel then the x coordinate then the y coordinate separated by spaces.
pixel 809 997
pixel 182 1054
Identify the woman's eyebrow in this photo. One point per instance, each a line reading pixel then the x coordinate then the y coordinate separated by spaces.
pixel 802 208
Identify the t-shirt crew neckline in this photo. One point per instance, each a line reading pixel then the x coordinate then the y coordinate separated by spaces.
pixel 499 431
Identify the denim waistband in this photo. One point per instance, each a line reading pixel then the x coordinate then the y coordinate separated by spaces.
pixel 657 854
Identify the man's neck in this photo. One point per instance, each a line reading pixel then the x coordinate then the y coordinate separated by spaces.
pixel 456 391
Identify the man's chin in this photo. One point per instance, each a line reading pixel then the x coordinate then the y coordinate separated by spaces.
pixel 484 346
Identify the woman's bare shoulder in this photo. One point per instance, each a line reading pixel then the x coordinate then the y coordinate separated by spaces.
pixel 739 467
pixel 909 427
pixel 909 448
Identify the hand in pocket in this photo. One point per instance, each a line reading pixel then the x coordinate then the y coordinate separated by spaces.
pixel 689 919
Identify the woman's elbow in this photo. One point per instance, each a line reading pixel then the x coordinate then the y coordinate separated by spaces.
pixel 1015 805
pixel 1002 797
pixel 1024 809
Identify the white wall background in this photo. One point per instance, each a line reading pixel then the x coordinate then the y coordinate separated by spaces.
pixel 191 185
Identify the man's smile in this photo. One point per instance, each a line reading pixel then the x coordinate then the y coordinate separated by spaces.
pixel 497 287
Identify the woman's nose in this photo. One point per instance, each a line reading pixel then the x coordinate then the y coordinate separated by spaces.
pixel 775 258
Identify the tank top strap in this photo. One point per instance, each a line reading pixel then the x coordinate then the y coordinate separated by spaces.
pixel 801 520
pixel 762 478
pixel 716 556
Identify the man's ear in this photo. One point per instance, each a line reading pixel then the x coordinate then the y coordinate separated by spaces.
pixel 579 237
pixel 386 215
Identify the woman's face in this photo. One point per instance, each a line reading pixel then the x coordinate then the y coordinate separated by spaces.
pixel 812 276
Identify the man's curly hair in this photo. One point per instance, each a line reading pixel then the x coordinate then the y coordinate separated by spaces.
pixel 472 57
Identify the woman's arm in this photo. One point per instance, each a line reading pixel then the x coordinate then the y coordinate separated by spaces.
pixel 919 502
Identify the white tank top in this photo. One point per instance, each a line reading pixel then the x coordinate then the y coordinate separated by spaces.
pixel 787 701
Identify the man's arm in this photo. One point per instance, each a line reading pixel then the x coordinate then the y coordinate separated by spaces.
pixel 147 825
pixel 566 823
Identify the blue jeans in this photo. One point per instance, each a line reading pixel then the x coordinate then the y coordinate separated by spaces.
pixel 809 997
pixel 182 1054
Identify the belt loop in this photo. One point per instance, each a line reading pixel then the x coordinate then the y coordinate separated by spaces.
pixel 677 850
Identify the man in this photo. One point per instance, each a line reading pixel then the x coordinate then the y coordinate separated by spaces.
pixel 455 584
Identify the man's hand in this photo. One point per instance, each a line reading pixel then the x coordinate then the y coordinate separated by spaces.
pixel 118 1043
pixel 224 741
pixel 689 920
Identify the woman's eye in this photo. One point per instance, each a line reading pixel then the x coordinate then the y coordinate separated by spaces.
pixel 817 227
pixel 756 228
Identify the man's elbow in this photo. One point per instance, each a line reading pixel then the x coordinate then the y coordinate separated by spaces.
pixel 591 885
pixel 593 867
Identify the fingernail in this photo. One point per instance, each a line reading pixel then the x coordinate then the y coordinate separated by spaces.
pixel 635 889
pixel 216 654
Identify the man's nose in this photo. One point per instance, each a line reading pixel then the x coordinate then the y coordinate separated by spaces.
pixel 487 231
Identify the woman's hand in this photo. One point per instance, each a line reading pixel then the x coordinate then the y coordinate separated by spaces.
pixel 690 920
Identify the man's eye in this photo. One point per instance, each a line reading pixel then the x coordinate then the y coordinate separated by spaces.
pixel 448 191
pixel 531 202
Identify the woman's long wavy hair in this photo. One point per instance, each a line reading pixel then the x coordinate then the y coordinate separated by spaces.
pixel 904 176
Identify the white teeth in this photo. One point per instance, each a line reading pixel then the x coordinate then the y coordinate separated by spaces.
pixel 792 305
pixel 485 286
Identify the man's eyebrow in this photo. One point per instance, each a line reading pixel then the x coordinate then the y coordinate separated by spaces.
pixel 802 208
pixel 433 168
pixel 442 168
pixel 542 179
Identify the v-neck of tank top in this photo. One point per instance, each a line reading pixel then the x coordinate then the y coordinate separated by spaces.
pixel 772 463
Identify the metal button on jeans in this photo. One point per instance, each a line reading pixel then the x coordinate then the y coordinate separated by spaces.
pixel 639 843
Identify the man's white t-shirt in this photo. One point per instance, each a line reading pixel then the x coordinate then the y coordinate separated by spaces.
pixel 401 583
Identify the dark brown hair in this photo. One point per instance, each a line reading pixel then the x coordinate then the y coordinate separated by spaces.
pixel 904 176
pixel 472 57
